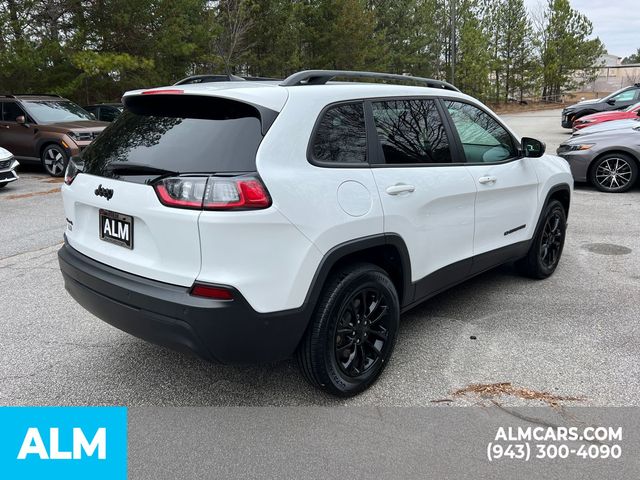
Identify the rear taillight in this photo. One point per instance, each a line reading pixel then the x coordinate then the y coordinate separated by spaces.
pixel 213 193
pixel 72 171
pixel 209 291
pixel 182 192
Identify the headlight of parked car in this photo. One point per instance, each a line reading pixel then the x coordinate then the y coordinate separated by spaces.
pixel 82 136
pixel 575 148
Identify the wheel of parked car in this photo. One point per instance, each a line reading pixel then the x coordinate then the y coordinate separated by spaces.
pixel 615 173
pixel 352 334
pixel 54 160
pixel 546 249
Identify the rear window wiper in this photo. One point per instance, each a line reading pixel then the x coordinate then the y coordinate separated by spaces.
pixel 126 168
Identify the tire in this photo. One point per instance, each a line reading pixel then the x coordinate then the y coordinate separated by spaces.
pixel 546 248
pixel 614 173
pixel 54 160
pixel 353 331
pixel 2 185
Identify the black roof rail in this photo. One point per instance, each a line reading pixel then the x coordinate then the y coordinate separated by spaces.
pixel 320 77
pixel 209 78
pixel 213 77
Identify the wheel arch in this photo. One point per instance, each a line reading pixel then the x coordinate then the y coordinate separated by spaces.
pixel 45 142
pixel 563 195
pixel 388 251
pixel 560 192
pixel 584 113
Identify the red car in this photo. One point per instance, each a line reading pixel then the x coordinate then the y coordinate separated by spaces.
pixel 588 120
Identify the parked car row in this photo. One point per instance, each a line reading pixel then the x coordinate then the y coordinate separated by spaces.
pixel 604 149
pixel 618 100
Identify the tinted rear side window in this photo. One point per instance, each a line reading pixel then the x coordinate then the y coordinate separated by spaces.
pixel 177 133
pixel 341 136
pixel 411 132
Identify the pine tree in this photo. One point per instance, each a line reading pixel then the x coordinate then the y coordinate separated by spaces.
pixel 566 48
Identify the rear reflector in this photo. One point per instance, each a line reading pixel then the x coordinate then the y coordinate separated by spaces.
pixel 207 291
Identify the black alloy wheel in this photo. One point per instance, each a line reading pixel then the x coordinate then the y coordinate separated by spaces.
pixel 362 331
pixel 552 240
pixel 546 246
pixel 352 333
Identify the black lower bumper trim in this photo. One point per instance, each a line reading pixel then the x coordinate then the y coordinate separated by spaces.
pixel 221 331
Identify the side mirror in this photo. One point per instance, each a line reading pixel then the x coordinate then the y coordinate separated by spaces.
pixel 21 120
pixel 611 101
pixel 533 148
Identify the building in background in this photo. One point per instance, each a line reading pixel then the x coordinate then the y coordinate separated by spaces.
pixel 612 75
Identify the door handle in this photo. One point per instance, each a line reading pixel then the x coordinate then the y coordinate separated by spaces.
pixel 400 188
pixel 487 180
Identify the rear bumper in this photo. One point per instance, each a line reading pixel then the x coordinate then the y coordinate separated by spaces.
pixel 220 331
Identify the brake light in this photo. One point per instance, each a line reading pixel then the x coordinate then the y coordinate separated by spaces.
pixel 208 291
pixel 213 193
pixel 228 194
pixel 172 91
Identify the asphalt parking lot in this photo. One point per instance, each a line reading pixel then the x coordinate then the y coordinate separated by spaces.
pixel 575 334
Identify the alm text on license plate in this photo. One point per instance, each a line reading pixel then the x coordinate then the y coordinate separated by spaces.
pixel 116 228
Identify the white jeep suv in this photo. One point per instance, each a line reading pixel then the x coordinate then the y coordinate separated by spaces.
pixel 251 221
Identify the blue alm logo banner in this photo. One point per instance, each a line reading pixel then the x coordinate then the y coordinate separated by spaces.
pixel 63 443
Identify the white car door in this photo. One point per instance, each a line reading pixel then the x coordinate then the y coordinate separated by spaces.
pixel 425 199
pixel 507 184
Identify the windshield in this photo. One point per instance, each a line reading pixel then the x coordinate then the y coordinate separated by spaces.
pixel 58 111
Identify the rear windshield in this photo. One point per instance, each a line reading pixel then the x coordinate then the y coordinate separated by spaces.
pixel 177 134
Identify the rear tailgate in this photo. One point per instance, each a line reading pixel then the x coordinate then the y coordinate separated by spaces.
pixel 114 214
pixel 165 242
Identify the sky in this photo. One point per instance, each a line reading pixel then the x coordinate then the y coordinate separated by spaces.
pixel 616 22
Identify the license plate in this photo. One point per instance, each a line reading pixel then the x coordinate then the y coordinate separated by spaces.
pixel 116 228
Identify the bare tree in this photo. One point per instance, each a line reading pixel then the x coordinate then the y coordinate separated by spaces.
pixel 234 21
